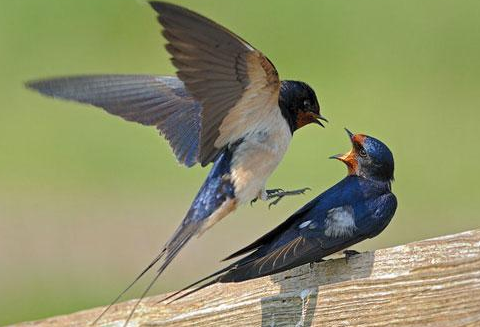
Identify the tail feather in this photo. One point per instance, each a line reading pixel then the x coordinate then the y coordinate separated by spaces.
pixel 194 284
pixel 130 315
pixel 150 265
pixel 176 243
pixel 182 235
pixel 195 290
pixel 215 200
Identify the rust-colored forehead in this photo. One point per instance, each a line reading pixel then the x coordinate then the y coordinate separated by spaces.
pixel 358 138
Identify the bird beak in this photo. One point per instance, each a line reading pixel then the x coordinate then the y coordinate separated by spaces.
pixel 337 156
pixel 316 118
pixel 349 157
pixel 305 118
pixel 350 134
pixel 349 160
pixel 343 157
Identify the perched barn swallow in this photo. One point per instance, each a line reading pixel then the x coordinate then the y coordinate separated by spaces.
pixel 358 207
pixel 227 106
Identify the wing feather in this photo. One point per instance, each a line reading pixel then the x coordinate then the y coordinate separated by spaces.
pixel 224 73
pixel 160 101
pixel 298 251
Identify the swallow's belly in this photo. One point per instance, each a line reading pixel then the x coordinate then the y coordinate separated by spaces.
pixel 257 157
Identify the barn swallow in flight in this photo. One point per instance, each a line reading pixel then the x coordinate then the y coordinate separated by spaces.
pixel 227 106
pixel 358 207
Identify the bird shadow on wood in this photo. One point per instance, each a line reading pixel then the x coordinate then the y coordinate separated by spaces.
pixel 295 304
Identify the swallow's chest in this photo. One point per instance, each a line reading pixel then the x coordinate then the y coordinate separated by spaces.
pixel 257 156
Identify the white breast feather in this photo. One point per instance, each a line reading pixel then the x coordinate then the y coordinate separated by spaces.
pixel 258 156
pixel 340 222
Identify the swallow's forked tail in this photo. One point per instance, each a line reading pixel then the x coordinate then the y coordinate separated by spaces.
pixel 215 200
pixel 183 234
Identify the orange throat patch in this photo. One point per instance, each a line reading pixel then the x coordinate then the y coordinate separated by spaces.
pixel 350 161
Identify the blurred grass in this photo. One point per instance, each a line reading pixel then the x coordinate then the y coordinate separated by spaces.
pixel 86 199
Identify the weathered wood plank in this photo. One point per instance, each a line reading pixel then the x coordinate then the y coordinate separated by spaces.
pixel 434 282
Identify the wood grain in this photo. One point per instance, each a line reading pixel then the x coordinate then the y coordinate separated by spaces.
pixel 429 283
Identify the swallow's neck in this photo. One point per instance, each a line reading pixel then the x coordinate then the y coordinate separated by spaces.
pixel 381 183
pixel 286 102
pixel 379 176
pixel 289 116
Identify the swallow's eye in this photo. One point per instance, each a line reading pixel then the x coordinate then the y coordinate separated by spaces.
pixel 362 153
pixel 306 103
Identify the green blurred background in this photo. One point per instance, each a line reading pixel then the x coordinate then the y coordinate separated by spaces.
pixel 86 199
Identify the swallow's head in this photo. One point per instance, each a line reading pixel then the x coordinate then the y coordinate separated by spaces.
pixel 299 105
pixel 368 158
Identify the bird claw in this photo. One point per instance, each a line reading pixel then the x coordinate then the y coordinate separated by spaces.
pixel 253 201
pixel 274 202
pixel 279 193
pixel 349 254
pixel 274 191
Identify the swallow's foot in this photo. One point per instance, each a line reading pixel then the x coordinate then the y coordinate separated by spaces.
pixel 269 193
pixel 278 194
pixel 274 191
pixel 349 254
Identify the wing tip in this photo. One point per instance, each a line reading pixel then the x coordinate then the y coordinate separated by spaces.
pixel 167 10
pixel 240 252
pixel 32 85
pixel 40 86
pixel 162 6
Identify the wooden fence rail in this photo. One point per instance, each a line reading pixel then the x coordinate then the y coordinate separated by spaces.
pixel 429 283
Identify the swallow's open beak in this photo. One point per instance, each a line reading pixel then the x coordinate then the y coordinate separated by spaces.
pixel 339 156
pixel 349 157
pixel 317 119
pixel 350 134
pixel 344 157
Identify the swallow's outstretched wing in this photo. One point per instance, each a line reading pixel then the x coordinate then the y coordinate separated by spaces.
pixel 159 101
pixel 236 84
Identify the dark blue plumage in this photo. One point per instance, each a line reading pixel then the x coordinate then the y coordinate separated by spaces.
pixel 215 193
pixel 216 189
pixel 358 207
pixel 373 206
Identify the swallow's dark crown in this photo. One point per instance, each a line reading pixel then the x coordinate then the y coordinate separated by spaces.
pixel 292 100
pixel 382 163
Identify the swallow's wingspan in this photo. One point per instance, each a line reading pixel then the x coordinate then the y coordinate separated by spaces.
pixel 236 84
pixel 161 101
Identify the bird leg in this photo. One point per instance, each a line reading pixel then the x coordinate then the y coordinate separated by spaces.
pixel 266 196
pixel 349 254
pixel 278 194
